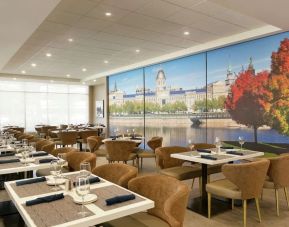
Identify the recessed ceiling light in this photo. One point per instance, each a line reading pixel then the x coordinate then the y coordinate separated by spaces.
pixel 33 65
pixel 68 75
pixel 23 72
pixel 48 54
pixel 137 50
pixel 83 82
pixel 84 70
pixel 94 80
pixel 108 14
pixel 14 78
pixel 105 61
pixel 186 33
pixel 51 81
pixel 70 40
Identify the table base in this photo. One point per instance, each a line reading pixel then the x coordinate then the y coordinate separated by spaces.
pixel 7 208
pixel 14 220
pixel 200 206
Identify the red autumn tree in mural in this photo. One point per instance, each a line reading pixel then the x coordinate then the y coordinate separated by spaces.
pixel 278 86
pixel 247 102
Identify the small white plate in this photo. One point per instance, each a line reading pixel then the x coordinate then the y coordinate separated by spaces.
pixel 90 198
pixel 28 160
pixel 59 181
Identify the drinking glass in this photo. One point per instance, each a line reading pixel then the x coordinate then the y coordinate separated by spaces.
pixel 25 142
pixel 218 144
pixel 133 133
pixel 25 154
pixel 241 141
pixel 85 169
pixel 128 133
pixel 82 189
pixel 61 161
pixel 54 171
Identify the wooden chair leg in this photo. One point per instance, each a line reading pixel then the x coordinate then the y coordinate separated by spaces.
pixel 193 183
pixel 244 213
pixel 200 185
pixel 286 196
pixel 262 194
pixel 141 162
pixel 209 204
pixel 258 209
pixel 233 205
pixel 277 201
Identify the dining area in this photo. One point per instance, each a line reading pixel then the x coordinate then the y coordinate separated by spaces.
pixel 126 185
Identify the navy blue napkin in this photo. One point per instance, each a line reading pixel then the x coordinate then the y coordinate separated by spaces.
pixel 227 147
pixel 234 153
pixel 38 154
pixel 9 161
pixel 119 199
pixel 208 157
pixel 204 151
pixel 6 154
pixel 44 199
pixel 91 180
pixel 30 181
pixel 46 160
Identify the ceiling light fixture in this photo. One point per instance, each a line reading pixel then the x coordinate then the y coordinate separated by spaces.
pixel 105 61
pixel 48 54
pixel 51 81
pixel 83 82
pixel 33 65
pixel 68 75
pixel 84 70
pixel 70 40
pixel 108 14
pixel 14 78
pixel 94 80
pixel 137 50
pixel 23 72
pixel 186 33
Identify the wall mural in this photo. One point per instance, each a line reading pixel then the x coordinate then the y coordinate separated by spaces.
pixel 239 90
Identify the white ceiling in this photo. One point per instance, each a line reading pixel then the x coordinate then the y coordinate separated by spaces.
pixel 155 27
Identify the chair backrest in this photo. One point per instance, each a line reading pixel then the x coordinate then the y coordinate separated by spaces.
pixel 39 144
pixel 155 142
pixel 68 138
pixel 169 194
pixel 63 126
pixel 56 151
pixel 26 136
pixel 49 147
pixel 94 142
pixel 87 133
pixel 117 173
pixel 196 146
pixel 164 159
pixel 118 150
pixel 279 171
pixel 75 158
pixel 248 177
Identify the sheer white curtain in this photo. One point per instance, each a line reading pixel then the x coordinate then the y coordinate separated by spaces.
pixel 29 103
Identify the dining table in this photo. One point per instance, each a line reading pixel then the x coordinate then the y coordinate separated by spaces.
pixel 211 157
pixel 64 211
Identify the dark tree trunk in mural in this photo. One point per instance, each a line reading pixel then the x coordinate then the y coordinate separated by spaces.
pixel 255 134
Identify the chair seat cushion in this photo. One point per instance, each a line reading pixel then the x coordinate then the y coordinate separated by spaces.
pixel 141 219
pixel 182 172
pixel 269 183
pixel 146 154
pixel 224 188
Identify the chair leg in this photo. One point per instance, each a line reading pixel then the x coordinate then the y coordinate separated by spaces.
pixel 233 205
pixel 209 204
pixel 245 213
pixel 262 194
pixel 277 201
pixel 200 185
pixel 286 195
pixel 193 183
pixel 258 209
pixel 141 162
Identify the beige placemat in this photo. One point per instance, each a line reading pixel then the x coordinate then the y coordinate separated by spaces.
pixel 31 189
pixel 107 192
pixel 55 213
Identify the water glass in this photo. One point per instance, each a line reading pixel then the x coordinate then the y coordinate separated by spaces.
pixel 218 144
pixel 25 142
pixel 85 169
pixel 61 161
pixel 54 171
pixel 82 189
pixel 241 141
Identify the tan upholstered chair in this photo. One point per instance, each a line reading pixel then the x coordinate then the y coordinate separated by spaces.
pixel 49 147
pixel 118 150
pixel 57 151
pixel 26 136
pixel 39 144
pixel 278 177
pixel 153 144
pixel 174 167
pixel 117 173
pixel 196 146
pixel 84 135
pixel 96 146
pixel 170 197
pixel 243 181
pixel 67 138
pixel 75 158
